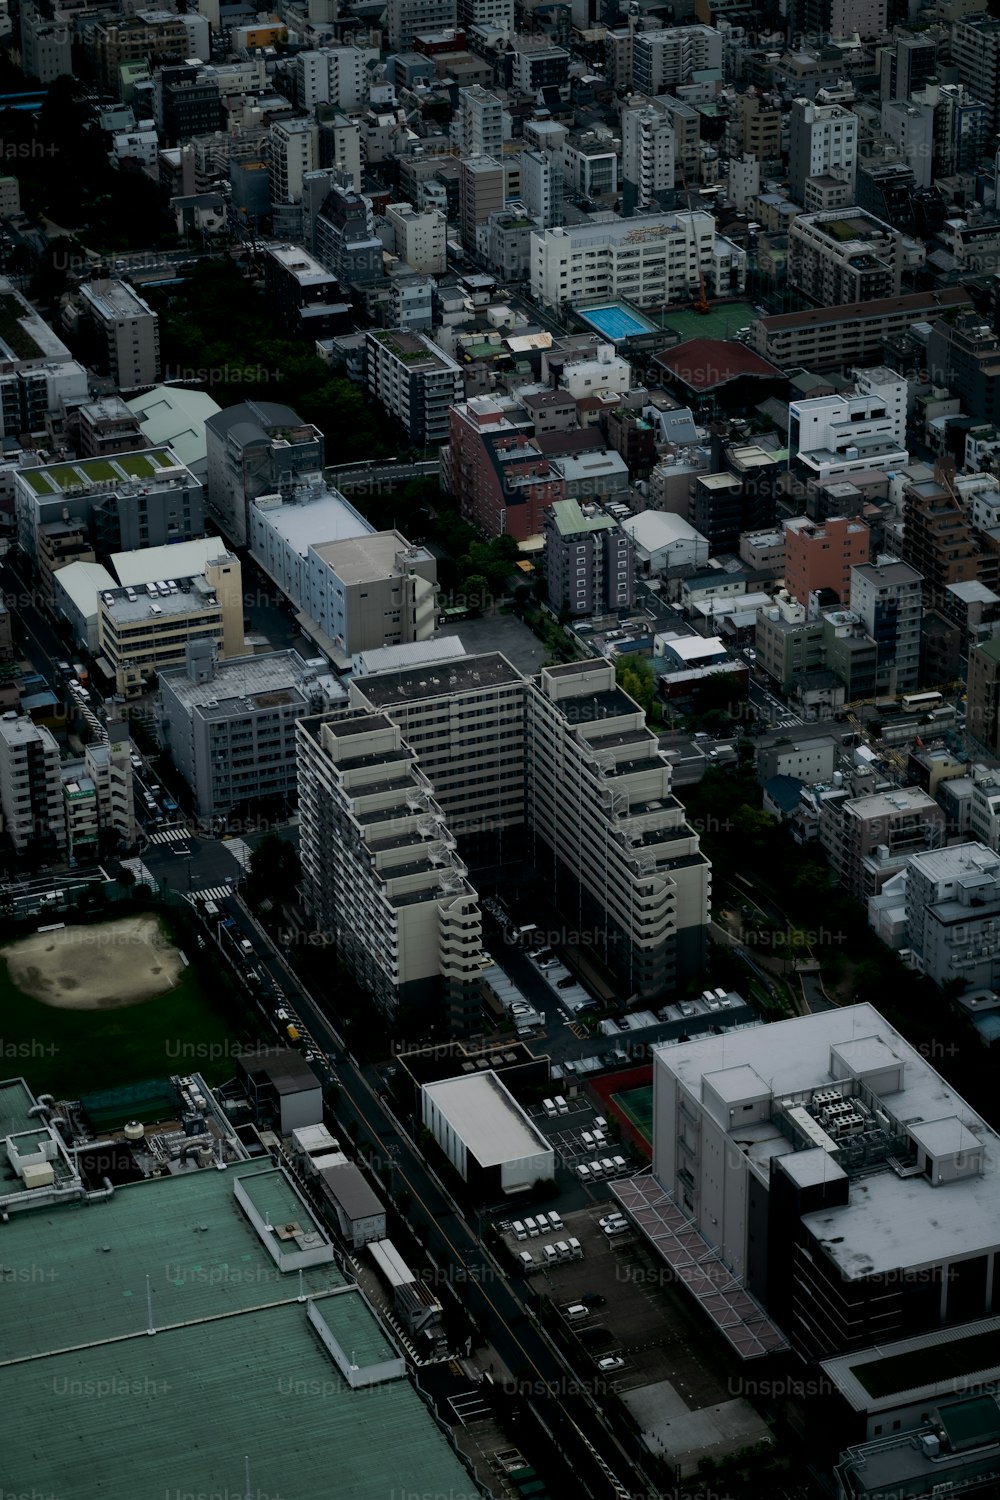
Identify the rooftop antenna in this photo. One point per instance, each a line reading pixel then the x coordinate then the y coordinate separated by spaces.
pixel 149 1308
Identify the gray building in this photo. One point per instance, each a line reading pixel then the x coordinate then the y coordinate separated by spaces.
pixel 344 238
pixel 953 915
pixel 257 448
pixel 126 333
pixel 230 725
pixel 31 793
pixel 589 560
pixel 886 596
pixel 415 381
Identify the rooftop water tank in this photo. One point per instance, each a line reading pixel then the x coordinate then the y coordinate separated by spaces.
pixel 134 1130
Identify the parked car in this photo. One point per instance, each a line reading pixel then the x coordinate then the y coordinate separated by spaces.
pixel 610 1362
pixel 610 1219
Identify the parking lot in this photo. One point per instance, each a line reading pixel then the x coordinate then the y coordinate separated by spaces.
pixel 651 1324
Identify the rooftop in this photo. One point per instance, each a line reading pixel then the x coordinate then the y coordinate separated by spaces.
pixel 463 675
pixel 572 520
pixel 244 683
pixel 486 1117
pixel 114 299
pixel 362 558
pixel 178 560
pixel 234 1367
pixel 314 516
pixel 704 364
pixel 154 467
pixel 914 305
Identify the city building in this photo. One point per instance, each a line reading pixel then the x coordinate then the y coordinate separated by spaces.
pixel 907 65
pixel 229 725
pixel 380 875
pixel 809 761
pixel 171 417
pixel 125 333
pixel 421 237
pixel 405 20
pixel 649 260
pixel 416 382
pixel 341 76
pixel 482 191
pixel 886 596
pixel 589 560
pixel 101 506
pixel 31 794
pixel 39 379
pixel 105 427
pixel 663 541
pixel 832 1171
pixel 844 255
pixel 953 915
pixel 822 556
pixel 982 714
pixel 143 628
pixel 939 540
pixel 620 861
pixel 823 141
pixel 294 151
pixel 477 126
pixel 664 60
pixel 870 838
pixel 830 437
pixel 344 238
pixel 257 448
pixel 975 53
pixel 46 46
pixel 492 1142
pixel 305 296
pixel 788 641
pixel 964 355
pixel 478 769
pixel 828 338
pixel 647 157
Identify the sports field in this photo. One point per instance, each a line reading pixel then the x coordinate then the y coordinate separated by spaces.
pixel 95 1007
pixel 637 1105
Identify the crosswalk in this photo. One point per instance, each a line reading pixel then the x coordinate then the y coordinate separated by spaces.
pixel 210 893
pixel 170 836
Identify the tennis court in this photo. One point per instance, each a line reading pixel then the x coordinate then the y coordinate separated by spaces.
pixel 637 1106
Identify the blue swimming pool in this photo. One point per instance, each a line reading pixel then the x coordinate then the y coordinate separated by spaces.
pixel 615 321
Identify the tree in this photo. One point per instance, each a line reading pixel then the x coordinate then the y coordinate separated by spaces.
pixel 634 676
pixel 275 871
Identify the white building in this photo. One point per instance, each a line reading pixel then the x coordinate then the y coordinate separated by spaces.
pixel 380 875
pixel 664 540
pixel 172 417
pixel 833 436
pixel 953 915
pixel 477 128
pixel 294 151
pixel 823 142
pixel 335 75
pixel 31 794
pixel 647 154
pixel 766 1143
pixel 421 237
pixel 649 260
pixel 406 19
pixel 415 380
pixel 485 1134
pixel 663 60
pixel 283 530
pixel 886 596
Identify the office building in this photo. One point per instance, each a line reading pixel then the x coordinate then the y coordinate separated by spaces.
pixel 964 355
pixel 141 630
pixel 788 642
pixel 421 237
pixel 100 506
pixel 477 770
pixel 823 142
pixel 649 260
pixel 187 101
pixel 906 65
pixel 983 696
pixel 31 786
pixel 621 863
pixel 846 1187
pixel 542 188
pixel 257 448
pixel 229 725
pixel 380 875
pixel 344 237
pixel 822 556
pixel 975 52
pixel 886 596
pixel 831 437
pixel 589 560
pixel 663 60
pixel 844 256
pixel 415 381
pixel 482 191
pixel 125 331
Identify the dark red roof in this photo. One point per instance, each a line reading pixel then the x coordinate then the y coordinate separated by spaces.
pixel 703 364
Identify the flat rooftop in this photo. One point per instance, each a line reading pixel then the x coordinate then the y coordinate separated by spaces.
pixel 243 681
pixel 485 1115
pixel 233 1373
pixel 315 516
pixel 929 1365
pixel 437 680
pixel 155 466
pixel 363 558
pixel 889 1221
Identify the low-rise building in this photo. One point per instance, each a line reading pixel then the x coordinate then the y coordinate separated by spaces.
pixel 143 629
pixel 486 1135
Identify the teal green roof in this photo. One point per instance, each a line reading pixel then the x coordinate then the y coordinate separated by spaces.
pixel 16 1100
pixel 234 1370
pixel 990 649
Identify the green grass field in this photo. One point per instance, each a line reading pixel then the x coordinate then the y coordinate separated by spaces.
pixel 637 1105
pixel 138 465
pixel 71 1052
pixel 721 323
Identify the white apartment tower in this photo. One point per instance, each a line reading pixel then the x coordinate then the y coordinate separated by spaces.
pixel 542 188
pixel 31 794
pixel 623 866
pixel 477 128
pixel 823 141
pixel 294 152
pixel 381 879
pixel 647 156
pixel 421 237
pixel 335 75
pixel 496 14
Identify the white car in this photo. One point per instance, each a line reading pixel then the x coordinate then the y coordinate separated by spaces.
pixel 609 1363
pixel 612 1220
pixel 612 1231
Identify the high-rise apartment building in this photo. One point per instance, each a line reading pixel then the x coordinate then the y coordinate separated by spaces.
pixel 589 560
pixel 823 141
pixel 406 19
pixel 421 237
pixel 31 793
pixel 335 75
pixel 982 714
pixel 886 595
pixel 938 538
pixel 477 126
pixel 482 191
pixel 380 875
pixel 975 52
pixel 126 333
pixel 906 66
pixel 844 255
pixel 415 380
pixel 294 152
pixel 622 865
pixel 257 448
pixel 647 157
pixel 822 556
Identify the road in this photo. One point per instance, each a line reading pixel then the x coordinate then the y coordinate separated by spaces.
pixel 570 1415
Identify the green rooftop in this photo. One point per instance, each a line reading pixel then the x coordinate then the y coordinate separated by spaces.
pixel 570 518
pixel 234 1382
pixel 88 471
pixel 21 343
